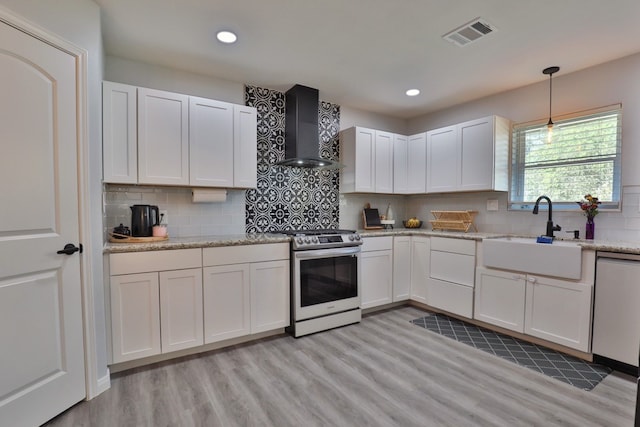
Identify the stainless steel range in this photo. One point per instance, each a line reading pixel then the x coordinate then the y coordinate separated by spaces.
pixel 325 287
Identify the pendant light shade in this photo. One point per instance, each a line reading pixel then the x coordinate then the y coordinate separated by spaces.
pixel 550 71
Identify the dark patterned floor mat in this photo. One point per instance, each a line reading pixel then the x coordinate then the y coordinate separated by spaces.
pixel 565 368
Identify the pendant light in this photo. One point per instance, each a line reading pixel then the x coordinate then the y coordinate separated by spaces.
pixel 550 71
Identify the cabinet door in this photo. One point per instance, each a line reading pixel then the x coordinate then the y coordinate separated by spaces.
pixel 227 302
pixel 400 160
pixel 420 250
pixel 401 268
pixel 181 309
pixel 119 133
pixel 135 316
pixel 163 137
pixel 559 311
pixel 417 164
pixel 499 298
pixel 365 160
pixel 477 154
pixel 383 170
pixel 376 285
pixel 270 296
pixel 245 157
pixel 443 156
pixel 210 143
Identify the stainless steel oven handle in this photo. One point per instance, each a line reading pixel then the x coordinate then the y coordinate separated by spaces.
pixel 325 253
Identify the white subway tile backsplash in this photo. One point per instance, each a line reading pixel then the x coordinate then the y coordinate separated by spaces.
pixel 186 219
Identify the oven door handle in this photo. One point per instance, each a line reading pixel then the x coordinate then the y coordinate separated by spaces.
pixel 326 253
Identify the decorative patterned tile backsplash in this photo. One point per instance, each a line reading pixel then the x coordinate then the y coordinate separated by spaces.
pixel 287 197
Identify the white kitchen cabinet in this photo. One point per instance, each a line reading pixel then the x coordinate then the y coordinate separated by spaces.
pixel 211 143
pixel 246 290
pixel 443 165
pixel 559 311
pixel 410 164
pixel 245 147
pixel 368 158
pixel 119 133
pixel 377 271
pixel 156 302
pixel 556 310
pixel 174 139
pixel 420 263
pixel 500 298
pixel 270 296
pixel 227 302
pixel 135 316
pixel 401 268
pixel 470 156
pixel 163 137
pixel 181 309
pixel 452 275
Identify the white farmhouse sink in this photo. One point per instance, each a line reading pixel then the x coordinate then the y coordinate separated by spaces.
pixel 557 259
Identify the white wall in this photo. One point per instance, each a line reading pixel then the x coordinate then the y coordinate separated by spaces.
pixel 78 21
pixel 137 73
pixel 353 117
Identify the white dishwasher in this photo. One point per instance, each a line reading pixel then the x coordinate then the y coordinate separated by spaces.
pixel 616 312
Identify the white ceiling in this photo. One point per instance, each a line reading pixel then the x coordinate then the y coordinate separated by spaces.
pixel 367 53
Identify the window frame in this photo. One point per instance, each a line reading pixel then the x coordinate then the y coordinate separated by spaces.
pixel 609 206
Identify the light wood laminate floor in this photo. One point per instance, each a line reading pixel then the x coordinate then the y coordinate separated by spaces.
pixel 384 371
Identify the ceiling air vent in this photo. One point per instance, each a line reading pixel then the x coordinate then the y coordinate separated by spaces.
pixel 469 32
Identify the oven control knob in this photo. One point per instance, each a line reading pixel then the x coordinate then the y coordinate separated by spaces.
pixel 307 240
pixel 357 237
pixel 351 237
pixel 314 239
pixel 299 240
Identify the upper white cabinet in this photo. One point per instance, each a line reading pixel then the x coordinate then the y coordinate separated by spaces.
pixel 368 158
pixel 470 156
pixel 119 133
pixel 409 164
pixel 164 138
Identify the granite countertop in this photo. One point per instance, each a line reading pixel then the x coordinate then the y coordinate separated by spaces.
pixel 256 239
pixel 196 242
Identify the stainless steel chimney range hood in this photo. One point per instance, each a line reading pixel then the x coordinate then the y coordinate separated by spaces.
pixel 302 140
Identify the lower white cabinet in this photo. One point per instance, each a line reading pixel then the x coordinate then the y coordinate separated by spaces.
pixel 135 316
pixel 500 298
pixel 420 251
pixel 181 309
pixel 559 311
pixel 227 300
pixel 269 296
pixel 556 310
pixel 246 290
pixel 401 268
pixel 376 267
pixel 452 275
pixel 156 302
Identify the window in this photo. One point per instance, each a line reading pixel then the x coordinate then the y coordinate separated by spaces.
pixel 581 157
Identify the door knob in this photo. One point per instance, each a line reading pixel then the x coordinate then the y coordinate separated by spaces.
pixel 70 249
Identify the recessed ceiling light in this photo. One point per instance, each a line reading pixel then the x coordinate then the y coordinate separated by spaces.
pixel 413 92
pixel 226 37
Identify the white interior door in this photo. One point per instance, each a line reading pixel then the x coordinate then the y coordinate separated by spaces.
pixel 42 356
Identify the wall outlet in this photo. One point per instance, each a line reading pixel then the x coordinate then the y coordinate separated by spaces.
pixel 492 205
pixel 164 217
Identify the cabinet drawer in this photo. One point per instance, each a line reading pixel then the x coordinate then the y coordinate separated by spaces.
pixel 246 253
pixel 456 299
pixel 467 247
pixel 377 243
pixel 143 262
pixel 453 267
